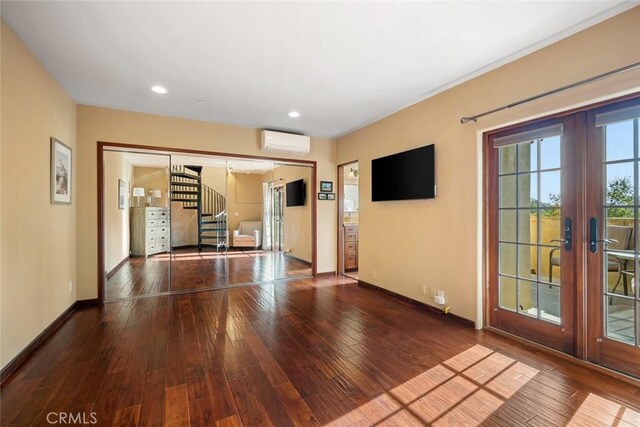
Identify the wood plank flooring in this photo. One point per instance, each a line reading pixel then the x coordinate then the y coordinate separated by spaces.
pixel 186 269
pixel 300 353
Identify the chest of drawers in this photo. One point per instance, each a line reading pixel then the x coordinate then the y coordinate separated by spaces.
pixel 150 231
pixel 351 247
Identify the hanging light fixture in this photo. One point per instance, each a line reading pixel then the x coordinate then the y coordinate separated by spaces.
pixel 353 173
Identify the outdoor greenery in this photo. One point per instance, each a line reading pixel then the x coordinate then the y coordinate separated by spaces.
pixel 619 193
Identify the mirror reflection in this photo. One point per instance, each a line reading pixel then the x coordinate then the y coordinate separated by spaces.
pixel 137 224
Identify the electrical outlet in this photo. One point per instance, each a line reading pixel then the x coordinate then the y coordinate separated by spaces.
pixel 375 275
pixel 423 289
pixel 70 286
pixel 434 291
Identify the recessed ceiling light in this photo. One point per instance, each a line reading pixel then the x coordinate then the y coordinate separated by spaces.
pixel 159 89
pixel 294 114
pixel 201 101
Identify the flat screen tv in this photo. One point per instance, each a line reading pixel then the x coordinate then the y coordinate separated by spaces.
pixel 404 176
pixel 295 193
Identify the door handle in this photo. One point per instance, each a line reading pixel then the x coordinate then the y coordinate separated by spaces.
pixel 593 236
pixel 568 235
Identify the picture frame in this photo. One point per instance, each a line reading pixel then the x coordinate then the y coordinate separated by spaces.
pixel 331 196
pixel 322 196
pixel 326 186
pixel 122 198
pixel 61 172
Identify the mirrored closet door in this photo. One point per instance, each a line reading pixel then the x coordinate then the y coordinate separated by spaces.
pixel 199 231
pixel 291 245
pixel 137 227
pixel 177 222
pixel 248 262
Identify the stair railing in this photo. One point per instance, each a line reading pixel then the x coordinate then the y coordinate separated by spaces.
pixel 215 204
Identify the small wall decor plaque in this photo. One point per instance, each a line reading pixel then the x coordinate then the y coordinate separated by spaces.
pixel 326 186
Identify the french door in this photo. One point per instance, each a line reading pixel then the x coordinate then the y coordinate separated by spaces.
pixel 613 206
pixel 563 210
pixel 532 204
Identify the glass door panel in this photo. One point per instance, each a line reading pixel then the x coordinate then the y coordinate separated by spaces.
pixel 532 208
pixel 199 222
pixel 249 186
pixel 292 225
pixel 137 227
pixel 530 228
pixel 612 261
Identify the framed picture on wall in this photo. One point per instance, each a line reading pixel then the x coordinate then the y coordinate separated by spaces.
pixel 331 196
pixel 122 195
pixel 322 196
pixel 326 186
pixel 61 172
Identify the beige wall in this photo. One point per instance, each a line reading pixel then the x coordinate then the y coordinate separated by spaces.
pixel 116 220
pixel 153 179
pixel 216 178
pixel 437 242
pixel 103 124
pixel 38 239
pixel 184 226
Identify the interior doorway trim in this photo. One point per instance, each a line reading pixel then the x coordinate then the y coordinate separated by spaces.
pixel 340 229
pixel 103 146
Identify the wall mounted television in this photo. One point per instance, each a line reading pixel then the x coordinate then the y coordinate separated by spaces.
pixel 404 176
pixel 295 193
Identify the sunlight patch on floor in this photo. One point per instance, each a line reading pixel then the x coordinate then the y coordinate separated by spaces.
pixel 464 390
pixel 596 410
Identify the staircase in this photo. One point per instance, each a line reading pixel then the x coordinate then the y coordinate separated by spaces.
pixel 211 206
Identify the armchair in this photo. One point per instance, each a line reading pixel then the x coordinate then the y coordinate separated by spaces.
pixel 248 234
pixel 620 237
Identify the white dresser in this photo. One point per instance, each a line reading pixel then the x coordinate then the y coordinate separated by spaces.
pixel 150 231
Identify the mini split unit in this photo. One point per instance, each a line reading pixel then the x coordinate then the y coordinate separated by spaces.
pixel 285 142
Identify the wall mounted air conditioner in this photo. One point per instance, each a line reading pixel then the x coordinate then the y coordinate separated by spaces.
pixel 285 142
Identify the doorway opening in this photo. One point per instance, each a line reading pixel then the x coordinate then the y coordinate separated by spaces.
pixel 348 221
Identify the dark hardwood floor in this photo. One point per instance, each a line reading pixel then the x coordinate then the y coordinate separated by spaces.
pixel 186 269
pixel 303 352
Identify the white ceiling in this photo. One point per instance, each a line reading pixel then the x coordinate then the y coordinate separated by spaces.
pixel 340 64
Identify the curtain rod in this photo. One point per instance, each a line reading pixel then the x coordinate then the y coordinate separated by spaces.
pixel 467 119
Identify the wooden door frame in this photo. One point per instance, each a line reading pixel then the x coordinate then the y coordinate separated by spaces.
pixel 102 146
pixel 340 230
pixel 489 188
